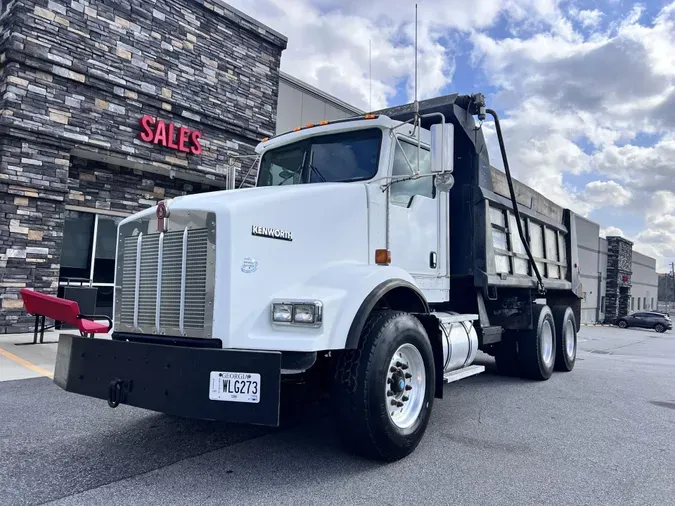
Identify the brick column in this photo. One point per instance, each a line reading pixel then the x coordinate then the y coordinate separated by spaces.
pixel 33 183
pixel 619 272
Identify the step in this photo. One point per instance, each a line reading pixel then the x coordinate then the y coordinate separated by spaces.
pixel 465 372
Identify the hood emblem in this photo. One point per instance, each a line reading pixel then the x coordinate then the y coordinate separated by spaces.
pixel 249 265
pixel 272 233
pixel 162 213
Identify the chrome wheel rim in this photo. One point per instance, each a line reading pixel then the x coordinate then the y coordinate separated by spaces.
pixel 569 339
pixel 547 343
pixel 405 386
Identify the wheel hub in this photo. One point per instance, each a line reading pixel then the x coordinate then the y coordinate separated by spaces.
pixel 547 343
pixel 405 386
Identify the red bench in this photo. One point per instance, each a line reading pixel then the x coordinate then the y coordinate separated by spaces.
pixel 61 310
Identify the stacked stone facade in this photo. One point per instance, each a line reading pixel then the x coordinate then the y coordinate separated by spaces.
pixel 76 76
pixel 619 272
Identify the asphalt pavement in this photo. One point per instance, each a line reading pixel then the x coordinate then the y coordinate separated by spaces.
pixel 602 434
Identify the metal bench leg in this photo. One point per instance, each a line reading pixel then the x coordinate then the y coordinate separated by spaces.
pixel 35 330
pixel 42 331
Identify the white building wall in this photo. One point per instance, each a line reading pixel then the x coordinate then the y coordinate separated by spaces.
pixel 588 234
pixel 299 104
pixel 645 283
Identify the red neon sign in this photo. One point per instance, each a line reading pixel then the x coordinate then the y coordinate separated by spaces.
pixel 168 135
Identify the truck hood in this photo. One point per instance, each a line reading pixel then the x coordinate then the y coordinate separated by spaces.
pixel 269 243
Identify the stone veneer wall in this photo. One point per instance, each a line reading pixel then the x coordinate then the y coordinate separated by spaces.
pixel 619 272
pixel 75 78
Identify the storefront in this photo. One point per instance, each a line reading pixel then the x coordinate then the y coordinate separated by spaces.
pixel 107 109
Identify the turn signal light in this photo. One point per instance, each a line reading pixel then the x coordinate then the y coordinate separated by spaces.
pixel 265 139
pixel 382 256
pixel 369 116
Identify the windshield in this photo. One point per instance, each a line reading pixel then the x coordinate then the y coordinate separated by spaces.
pixel 340 157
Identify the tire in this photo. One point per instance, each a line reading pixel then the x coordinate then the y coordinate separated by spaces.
pixel 660 328
pixel 566 338
pixel 536 347
pixel 506 357
pixel 363 393
pixel 622 324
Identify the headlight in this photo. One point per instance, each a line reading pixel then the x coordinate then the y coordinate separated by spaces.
pixel 282 313
pixel 306 313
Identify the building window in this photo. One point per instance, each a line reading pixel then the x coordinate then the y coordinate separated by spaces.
pixel 644 303
pixel 602 304
pixel 652 306
pixel 88 255
pixel 638 303
pixel 632 303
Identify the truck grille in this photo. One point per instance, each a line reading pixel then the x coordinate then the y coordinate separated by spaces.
pixel 169 270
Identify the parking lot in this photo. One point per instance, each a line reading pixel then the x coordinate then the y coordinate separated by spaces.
pixel 602 434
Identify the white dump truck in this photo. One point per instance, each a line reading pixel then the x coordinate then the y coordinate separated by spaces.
pixel 379 253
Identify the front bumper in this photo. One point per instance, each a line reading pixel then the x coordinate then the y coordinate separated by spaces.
pixel 169 379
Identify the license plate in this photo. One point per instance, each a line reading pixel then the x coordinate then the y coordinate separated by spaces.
pixel 234 386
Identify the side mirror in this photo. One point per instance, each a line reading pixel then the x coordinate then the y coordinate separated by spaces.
pixel 442 147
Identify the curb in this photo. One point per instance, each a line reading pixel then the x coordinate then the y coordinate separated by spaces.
pixel 597 325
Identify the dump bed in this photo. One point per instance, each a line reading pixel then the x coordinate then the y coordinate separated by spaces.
pixel 485 246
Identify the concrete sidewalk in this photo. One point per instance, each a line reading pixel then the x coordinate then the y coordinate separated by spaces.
pixel 20 359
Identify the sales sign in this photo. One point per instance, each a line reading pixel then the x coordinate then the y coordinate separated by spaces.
pixel 169 135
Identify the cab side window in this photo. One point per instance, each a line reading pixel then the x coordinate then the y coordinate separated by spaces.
pixel 402 192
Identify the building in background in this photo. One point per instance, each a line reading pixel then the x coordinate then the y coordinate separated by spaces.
pixel 299 104
pixel 617 279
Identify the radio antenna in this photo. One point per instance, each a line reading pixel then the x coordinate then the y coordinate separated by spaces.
pixel 418 120
pixel 416 104
pixel 370 75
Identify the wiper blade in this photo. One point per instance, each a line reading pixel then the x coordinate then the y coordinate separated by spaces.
pixel 318 173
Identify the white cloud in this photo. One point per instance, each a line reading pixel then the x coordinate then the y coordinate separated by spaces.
pixel 606 194
pixel 609 231
pixel 587 18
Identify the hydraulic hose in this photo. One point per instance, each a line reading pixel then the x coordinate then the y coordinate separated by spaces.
pixel 516 212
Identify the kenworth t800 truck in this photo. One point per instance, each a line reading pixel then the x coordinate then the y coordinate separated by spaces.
pixel 379 253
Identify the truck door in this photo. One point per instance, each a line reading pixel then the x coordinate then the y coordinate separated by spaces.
pixel 416 239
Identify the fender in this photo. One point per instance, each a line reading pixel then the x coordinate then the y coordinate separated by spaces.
pixel 371 301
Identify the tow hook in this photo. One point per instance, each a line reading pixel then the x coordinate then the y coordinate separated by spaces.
pixel 117 391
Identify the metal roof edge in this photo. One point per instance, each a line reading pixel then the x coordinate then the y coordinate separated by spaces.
pixel 316 91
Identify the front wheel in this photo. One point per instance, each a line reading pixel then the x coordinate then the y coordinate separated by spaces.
pixel 660 328
pixel 384 390
pixel 623 324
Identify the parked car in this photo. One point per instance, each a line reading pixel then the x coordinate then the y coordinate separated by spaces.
pixel 646 320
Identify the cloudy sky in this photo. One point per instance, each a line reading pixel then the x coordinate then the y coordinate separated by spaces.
pixel 586 88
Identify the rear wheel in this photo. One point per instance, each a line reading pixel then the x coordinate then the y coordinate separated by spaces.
pixel 623 324
pixel 660 328
pixel 536 347
pixel 566 338
pixel 384 390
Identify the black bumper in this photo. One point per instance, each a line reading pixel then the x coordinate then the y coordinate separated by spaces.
pixel 168 379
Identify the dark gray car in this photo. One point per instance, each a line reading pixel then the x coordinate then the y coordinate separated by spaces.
pixel 646 320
